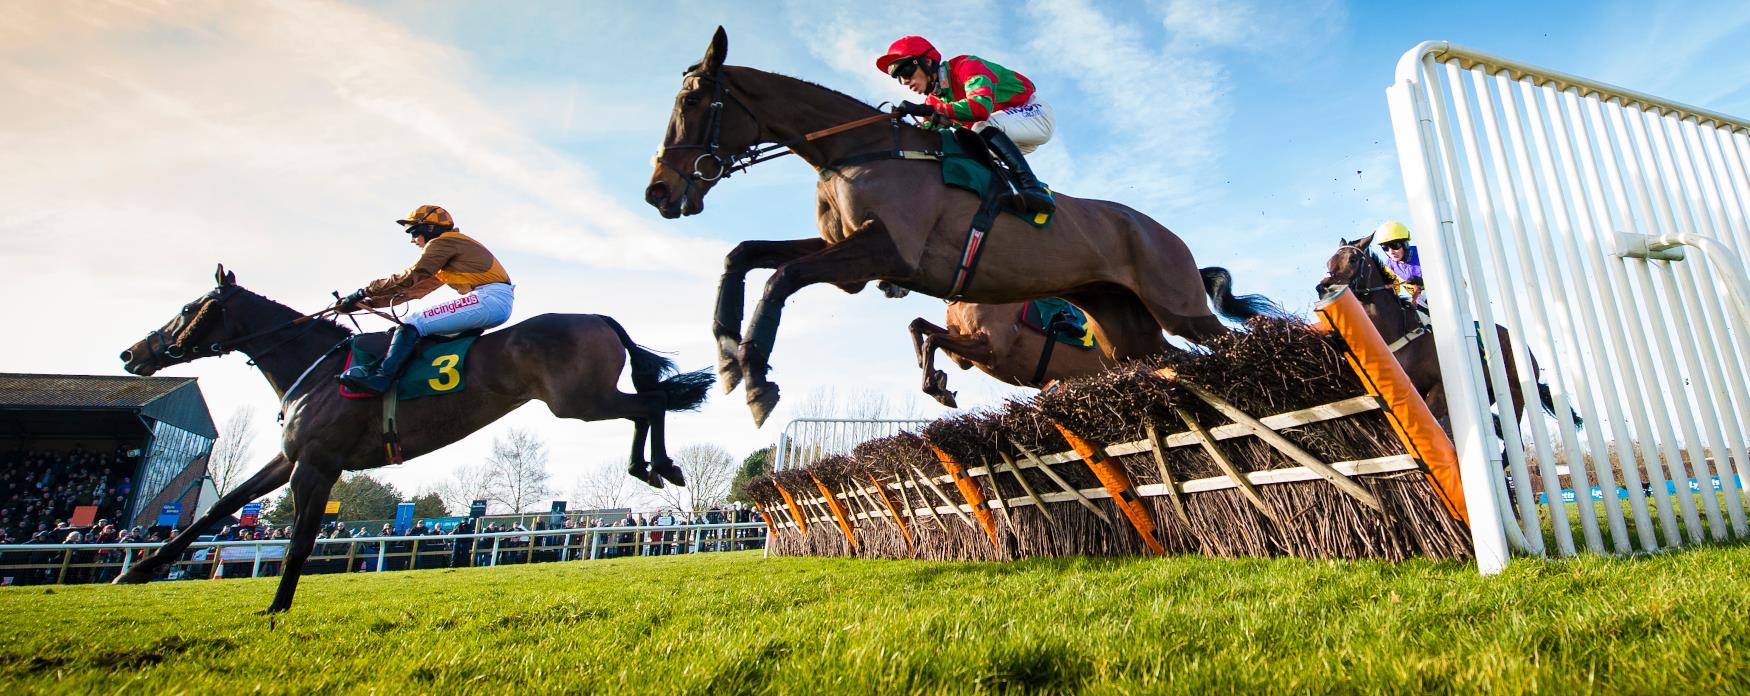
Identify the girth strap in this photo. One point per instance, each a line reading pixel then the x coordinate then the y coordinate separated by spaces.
pixel 391 437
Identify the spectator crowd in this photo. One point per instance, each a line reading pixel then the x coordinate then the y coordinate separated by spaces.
pixel 39 491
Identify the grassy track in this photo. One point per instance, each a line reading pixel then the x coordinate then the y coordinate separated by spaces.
pixel 734 623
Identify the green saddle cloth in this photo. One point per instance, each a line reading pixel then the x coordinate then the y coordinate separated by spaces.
pixel 1037 315
pixel 435 368
pixel 962 169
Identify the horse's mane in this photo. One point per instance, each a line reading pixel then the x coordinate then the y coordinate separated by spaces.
pixel 866 106
pixel 294 312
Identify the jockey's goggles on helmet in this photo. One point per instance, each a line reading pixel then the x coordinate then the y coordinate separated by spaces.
pixel 903 68
pixel 1394 245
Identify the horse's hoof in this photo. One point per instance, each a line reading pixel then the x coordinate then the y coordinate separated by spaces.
pixel 130 578
pixel 640 471
pixel 729 377
pixel 271 610
pixel 946 398
pixel 761 400
pixel 671 473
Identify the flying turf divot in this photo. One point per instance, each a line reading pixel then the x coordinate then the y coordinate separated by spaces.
pixel 1282 440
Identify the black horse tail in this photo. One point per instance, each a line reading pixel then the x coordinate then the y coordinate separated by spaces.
pixel 1218 283
pixel 651 372
pixel 1549 405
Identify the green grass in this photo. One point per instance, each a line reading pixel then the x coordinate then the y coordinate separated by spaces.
pixel 736 623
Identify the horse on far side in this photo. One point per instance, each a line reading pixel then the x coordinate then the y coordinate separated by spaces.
pixel 995 339
pixel 1408 333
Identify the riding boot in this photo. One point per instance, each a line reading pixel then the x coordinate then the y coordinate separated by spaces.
pixel 1033 196
pixel 359 379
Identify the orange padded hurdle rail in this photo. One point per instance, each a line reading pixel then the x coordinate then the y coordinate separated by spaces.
pixel 972 493
pixel 1384 378
pixel 891 510
pixel 838 512
pixel 1117 483
pixel 796 512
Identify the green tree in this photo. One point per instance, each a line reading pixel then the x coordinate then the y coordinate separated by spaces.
pixel 280 511
pixel 429 505
pixel 363 497
pixel 756 464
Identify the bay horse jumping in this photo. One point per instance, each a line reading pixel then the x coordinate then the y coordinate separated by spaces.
pixel 884 214
pixel 572 362
pixel 1407 333
pixel 993 338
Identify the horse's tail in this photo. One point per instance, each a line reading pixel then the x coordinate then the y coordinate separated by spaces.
pixel 651 372
pixel 1549 404
pixel 1218 283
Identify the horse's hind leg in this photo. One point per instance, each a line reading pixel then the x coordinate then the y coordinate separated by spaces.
pixel 310 488
pixel 660 464
pixel 272 476
pixel 639 468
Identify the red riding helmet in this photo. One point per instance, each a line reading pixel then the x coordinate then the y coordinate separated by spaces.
pixel 907 47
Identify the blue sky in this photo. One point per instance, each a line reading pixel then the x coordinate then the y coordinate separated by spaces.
pixel 282 139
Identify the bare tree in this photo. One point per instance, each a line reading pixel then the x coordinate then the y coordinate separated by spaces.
pixel 822 402
pixel 465 485
pixel 516 473
pixel 866 404
pixel 605 487
pixel 710 469
pixel 232 451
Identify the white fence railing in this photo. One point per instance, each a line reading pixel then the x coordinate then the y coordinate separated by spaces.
pixel 60 563
pixel 805 440
pixel 1605 230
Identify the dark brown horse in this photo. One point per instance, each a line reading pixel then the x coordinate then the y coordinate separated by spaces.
pixel 572 362
pixel 993 338
pixel 882 216
pixel 1406 331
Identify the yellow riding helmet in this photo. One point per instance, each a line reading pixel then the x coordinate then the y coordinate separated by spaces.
pixel 1390 231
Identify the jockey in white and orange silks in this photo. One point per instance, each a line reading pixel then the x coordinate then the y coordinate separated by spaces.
pixel 447 257
pixel 975 93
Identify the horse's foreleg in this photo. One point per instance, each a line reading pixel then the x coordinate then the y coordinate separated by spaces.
pixel 921 328
pixel 965 350
pixel 660 464
pixel 263 482
pixel 726 323
pixel 866 255
pixel 310 488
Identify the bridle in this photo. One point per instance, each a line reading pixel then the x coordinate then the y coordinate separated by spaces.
pixel 1368 261
pixel 730 163
pixel 160 346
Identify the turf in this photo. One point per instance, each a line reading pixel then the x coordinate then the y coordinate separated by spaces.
pixel 737 623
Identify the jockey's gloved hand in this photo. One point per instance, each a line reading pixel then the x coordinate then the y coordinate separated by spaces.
pixel 907 108
pixel 351 302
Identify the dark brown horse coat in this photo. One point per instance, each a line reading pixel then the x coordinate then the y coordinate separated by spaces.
pixel 571 362
pixel 893 220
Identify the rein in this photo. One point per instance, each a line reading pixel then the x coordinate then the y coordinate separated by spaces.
pixel 1368 260
pixel 730 163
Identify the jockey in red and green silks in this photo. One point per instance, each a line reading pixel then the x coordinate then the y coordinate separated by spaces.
pixel 975 93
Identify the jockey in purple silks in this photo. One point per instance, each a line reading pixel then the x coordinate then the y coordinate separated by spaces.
pixel 1403 268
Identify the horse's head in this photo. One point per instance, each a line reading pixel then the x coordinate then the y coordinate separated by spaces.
pixel 199 330
pixel 709 125
pixel 1353 265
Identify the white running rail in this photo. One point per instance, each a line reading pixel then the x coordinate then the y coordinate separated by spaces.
pixel 805 440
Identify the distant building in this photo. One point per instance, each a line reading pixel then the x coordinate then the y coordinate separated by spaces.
pixel 161 422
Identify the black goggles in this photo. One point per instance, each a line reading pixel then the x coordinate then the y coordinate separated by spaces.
pixel 903 68
pixel 1394 245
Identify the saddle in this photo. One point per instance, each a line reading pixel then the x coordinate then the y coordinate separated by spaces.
pixel 1059 320
pixel 967 163
pixel 435 368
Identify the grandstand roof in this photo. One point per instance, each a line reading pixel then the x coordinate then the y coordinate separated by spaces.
pixel 174 400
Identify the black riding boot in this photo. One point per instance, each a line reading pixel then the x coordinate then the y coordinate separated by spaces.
pixel 359 379
pixel 1034 196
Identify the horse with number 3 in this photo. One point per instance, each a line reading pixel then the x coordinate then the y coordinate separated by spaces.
pixel 571 362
